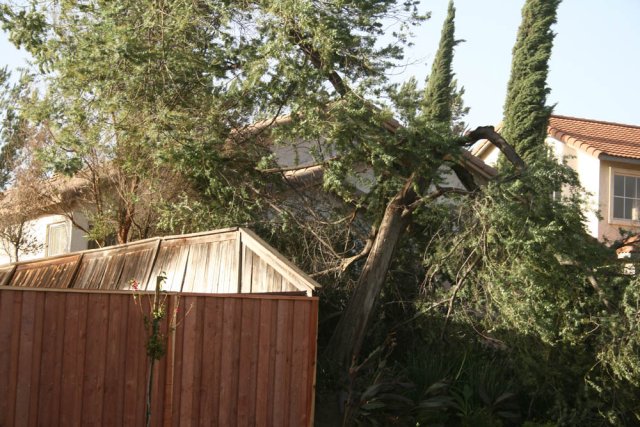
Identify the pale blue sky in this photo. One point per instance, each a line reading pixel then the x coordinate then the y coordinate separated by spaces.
pixel 594 69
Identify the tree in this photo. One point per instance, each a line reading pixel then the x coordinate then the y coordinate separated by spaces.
pixel 123 82
pixel 526 114
pixel 419 176
pixel 16 233
pixel 525 274
pixel 438 96
pixel 141 94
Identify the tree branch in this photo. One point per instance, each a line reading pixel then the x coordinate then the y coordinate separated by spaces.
pixel 489 133
pixel 440 191
pixel 314 56
pixel 346 263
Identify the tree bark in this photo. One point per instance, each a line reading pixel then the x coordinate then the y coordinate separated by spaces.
pixel 346 341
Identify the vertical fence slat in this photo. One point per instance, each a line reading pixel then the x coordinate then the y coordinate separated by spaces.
pixel 299 348
pixel 247 362
pixel 73 358
pixel 188 361
pixel 160 368
pixel 312 359
pixel 24 358
pixel 177 367
pixel 212 350
pixel 283 363
pixel 133 406
pixel 51 361
pixel 228 368
pixel 97 331
pixel 263 365
pixel 10 326
pixel 115 360
pixel 198 359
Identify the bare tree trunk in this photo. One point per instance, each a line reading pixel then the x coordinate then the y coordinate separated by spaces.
pixel 124 225
pixel 347 339
pixel 18 242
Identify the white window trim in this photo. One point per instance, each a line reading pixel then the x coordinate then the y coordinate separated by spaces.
pixel 54 224
pixel 620 221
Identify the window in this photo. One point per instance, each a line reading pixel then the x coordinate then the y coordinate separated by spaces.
pixel 626 197
pixel 57 239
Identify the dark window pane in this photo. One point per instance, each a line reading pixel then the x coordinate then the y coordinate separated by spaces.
pixel 628 206
pixel 629 186
pixel 618 207
pixel 618 185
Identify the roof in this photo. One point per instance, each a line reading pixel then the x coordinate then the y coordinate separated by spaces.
pixel 233 260
pixel 597 137
pixel 53 191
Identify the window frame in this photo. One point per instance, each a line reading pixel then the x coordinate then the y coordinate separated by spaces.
pixel 625 173
pixel 56 224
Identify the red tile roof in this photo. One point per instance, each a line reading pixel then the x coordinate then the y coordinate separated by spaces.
pixel 597 137
pixel 593 136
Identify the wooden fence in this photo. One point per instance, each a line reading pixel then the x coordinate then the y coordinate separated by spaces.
pixel 74 358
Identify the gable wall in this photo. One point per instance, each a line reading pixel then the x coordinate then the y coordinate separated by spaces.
pixel 38 229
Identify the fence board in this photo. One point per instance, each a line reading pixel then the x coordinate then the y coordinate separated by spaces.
pixel 75 326
pixel 79 358
pixel 51 358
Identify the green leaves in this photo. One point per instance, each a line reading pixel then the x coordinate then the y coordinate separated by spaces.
pixel 526 114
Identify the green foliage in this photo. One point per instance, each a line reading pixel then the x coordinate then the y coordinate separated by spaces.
pixel 141 94
pixel 438 94
pixel 527 276
pixel 12 127
pixel 526 114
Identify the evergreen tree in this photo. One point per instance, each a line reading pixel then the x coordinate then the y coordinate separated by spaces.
pixel 145 93
pixel 526 114
pixel 438 95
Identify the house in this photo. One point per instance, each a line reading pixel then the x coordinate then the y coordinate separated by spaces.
pixel 45 223
pixel 606 157
pixel 57 224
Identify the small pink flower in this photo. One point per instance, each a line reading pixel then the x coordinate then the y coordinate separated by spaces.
pixel 134 284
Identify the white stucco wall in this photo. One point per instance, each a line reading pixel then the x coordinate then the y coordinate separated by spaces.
pixel 38 229
pixel 490 156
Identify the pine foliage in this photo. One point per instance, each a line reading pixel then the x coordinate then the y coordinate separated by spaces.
pixel 438 93
pixel 526 114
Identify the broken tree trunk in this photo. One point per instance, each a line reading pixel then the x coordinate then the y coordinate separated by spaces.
pixel 346 340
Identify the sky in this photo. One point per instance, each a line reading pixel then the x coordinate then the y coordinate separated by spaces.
pixel 594 70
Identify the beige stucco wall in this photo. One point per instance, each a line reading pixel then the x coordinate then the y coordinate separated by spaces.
pixel 38 229
pixel 588 169
pixel 594 176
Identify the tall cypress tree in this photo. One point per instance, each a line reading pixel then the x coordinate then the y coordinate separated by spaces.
pixel 438 95
pixel 526 114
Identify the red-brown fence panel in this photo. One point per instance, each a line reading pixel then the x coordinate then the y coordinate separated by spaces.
pixel 79 358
